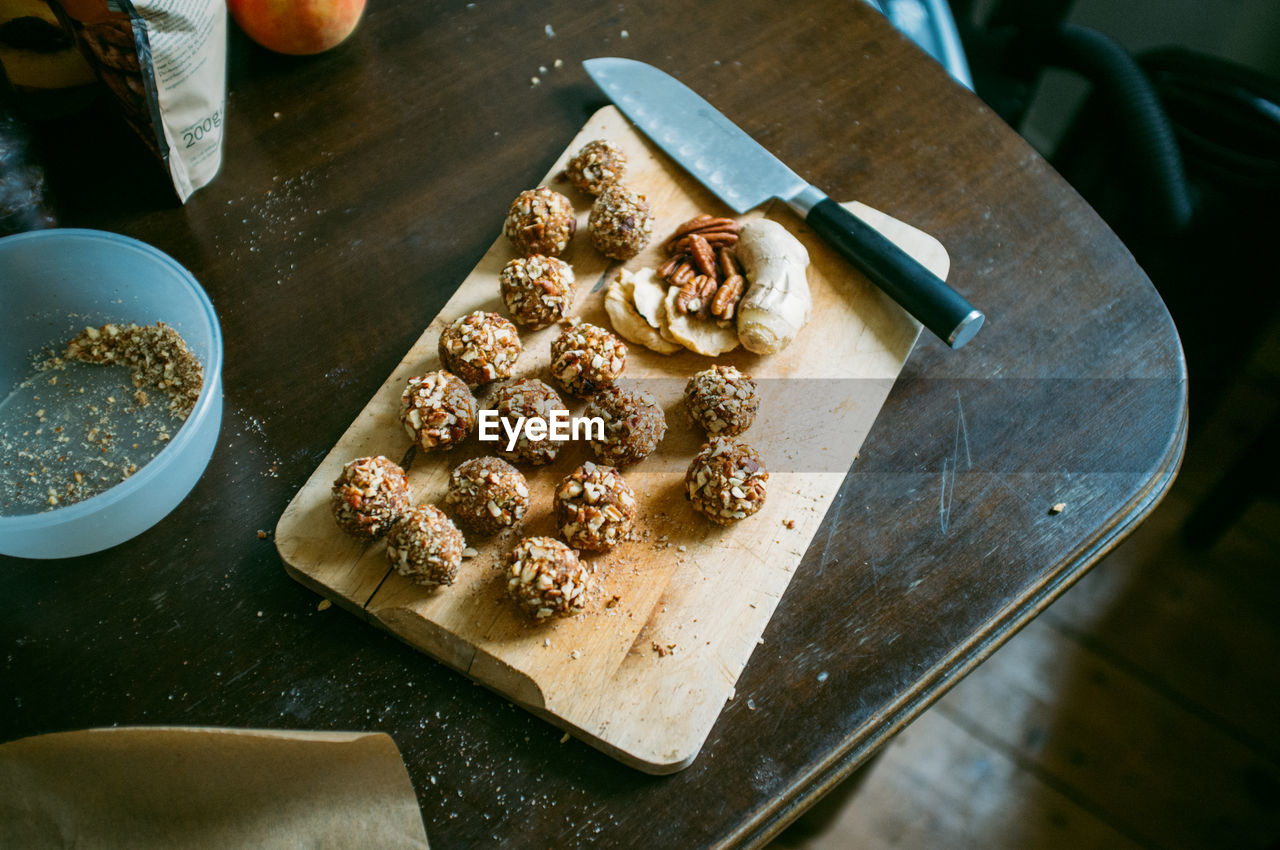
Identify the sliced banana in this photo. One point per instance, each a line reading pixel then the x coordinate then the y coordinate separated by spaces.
pixel 629 324
pixel 704 337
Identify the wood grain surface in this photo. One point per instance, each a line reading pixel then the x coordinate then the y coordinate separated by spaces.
pixel 359 187
pixel 645 671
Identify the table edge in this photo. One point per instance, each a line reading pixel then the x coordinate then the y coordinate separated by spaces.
pixel 766 823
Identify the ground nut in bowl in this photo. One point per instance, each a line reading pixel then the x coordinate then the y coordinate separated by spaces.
pixel 54 284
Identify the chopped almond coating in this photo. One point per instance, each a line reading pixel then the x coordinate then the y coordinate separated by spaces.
pixel 595 508
pixel 540 221
pixel 487 494
pixel 597 164
pixel 586 358
pixel 437 411
pixel 537 290
pixel 480 347
pixel 546 578
pixel 634 425
pixel 722 401
pixel 620 223
pixel 527 398
pixel 425 546
pixel 726 481
pixel 368 496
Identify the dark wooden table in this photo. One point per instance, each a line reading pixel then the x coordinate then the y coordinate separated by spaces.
pixel 358 189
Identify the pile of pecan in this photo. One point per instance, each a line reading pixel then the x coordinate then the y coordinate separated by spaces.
pixel 701 262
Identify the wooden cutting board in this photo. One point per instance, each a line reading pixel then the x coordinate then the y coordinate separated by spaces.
pixel 643 673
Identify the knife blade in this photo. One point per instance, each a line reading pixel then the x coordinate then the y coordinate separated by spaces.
pixel 743 174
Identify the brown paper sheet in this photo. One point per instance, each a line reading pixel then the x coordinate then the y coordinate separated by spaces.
pixel 206 788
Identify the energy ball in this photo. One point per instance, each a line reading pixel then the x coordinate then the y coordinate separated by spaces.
pixel 537 290
pixel 597 164
pixel 480 347
pixel 722 401
pixel 368 496
pixel 585 359
pixel 437 410
pixel 546 578
pixel 633 425
pixel 487 494
pixel 595 508
pixel 620 223
pixel 425 546
pixel 540 221
pixel 527 398
pixel 726 481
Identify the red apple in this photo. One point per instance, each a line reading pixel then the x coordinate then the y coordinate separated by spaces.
pixel 297 27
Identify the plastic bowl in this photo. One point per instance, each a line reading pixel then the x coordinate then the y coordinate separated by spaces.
pixel 53 283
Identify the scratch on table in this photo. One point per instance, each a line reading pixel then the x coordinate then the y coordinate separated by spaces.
pixel 875 578
pixel 999 479
pixel 949 466
pixel 234 678
pixel 944 499
pixel 243 673
pixel 833 520
pixel 962 432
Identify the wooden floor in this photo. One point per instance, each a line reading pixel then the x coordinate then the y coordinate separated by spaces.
pixel 1141 710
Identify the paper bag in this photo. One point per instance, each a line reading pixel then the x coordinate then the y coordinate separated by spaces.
pixel 207 788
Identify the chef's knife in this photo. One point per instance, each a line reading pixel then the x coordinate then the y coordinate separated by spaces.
pixel 744 175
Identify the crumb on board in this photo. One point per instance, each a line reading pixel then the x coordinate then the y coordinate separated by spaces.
pixel 1058 508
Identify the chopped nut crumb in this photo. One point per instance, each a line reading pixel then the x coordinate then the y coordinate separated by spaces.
pixel 67 434
pixel 158 356
pixel 663 650
pixel 1058 508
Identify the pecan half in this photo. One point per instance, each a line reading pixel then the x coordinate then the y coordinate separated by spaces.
pixel 687 297
pixel 683 273
pixel 704 256
pixel 668 268
pixel 714 238
pixel 728 263
pixel 721 228
pixel 727 296
pixel 706 294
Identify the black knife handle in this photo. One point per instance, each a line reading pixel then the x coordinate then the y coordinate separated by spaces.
pixel 920 292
